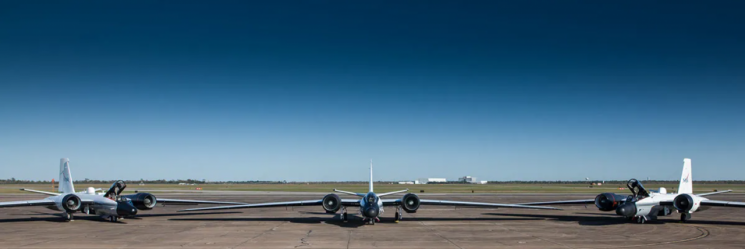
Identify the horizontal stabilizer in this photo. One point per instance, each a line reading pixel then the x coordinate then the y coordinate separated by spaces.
pixel 715 193
pixel 40 192
pixel 349 193
pixel 394 192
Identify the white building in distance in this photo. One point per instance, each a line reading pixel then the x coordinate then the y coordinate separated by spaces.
pixel 428 180
pixel 470 179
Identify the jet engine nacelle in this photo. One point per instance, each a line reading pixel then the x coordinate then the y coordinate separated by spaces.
pixel 142 201
pixel 71 203
pixel 331 203
pixel 410 203
pixel 686 203
pixel 608 201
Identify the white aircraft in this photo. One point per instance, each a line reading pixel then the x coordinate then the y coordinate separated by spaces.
pixel 370 204
pixel 109 205
pixel 644 205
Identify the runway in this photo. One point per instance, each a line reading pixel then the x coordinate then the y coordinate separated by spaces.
pixel 310 227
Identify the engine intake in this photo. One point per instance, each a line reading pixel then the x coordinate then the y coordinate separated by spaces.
pixel 142 201
pixel 331 203
pixel 410 203
pixel 608 201
pixel 71 203
pixel 686 203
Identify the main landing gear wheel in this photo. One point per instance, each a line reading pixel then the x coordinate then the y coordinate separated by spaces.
pixel 685 217
pixel 67 216
pixel 113 219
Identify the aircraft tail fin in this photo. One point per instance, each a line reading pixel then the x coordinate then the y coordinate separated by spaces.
pixel 686 179
pixel 65 179
pixel 371 177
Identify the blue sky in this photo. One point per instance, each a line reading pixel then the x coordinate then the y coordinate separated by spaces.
pixel 308 90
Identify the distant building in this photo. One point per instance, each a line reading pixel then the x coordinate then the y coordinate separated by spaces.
pixel 431 180
pixel 470 179
pixel 405 182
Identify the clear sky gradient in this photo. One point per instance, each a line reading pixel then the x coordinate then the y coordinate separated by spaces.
pixel 312 90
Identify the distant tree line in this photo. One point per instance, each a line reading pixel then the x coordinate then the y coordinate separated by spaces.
pixel 194 181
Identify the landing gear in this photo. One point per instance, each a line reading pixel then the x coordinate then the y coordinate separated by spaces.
pixel 685 217
pixel 113 218
pixel 641 219
pixel 67 216
pixel 343 215
pixel 371 221
pixel 399 215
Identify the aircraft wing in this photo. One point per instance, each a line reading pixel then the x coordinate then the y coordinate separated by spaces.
pixel 345 202
pixel 26 203
pixel 714 193
pixel 194 202
pixel 389 202
pixel 567 202
pixel 723 203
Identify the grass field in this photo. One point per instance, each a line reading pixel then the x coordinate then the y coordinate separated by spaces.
pixel 427 188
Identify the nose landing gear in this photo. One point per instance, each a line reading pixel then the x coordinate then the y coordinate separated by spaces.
pixel 685 217
pixel 343 215
pixel 67 216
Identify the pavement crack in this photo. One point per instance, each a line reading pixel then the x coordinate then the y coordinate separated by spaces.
pixel 434 231
pixel 303 241
pixel 349 238
pixel 261 234
pixel 540 238
pixel 704 233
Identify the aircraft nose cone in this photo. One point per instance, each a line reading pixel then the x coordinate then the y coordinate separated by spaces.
pixel 626 210
pixel 125 209
pixel 371 212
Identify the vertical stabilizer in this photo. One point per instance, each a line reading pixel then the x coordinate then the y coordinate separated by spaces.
pixel 371 178
pixel 65 179
pixel 686 179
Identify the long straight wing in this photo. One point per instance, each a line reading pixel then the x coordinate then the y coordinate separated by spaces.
pixel 714 193
pixel 723 203
pixel 480 204
pixel 26 203
pixel 345 202
pixel 40 192
pixel 390 202
pixel 179 201
pixel 567 202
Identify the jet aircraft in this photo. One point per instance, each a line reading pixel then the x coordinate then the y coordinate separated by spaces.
pixel 646 205
pixel 109 205
pixel 370 204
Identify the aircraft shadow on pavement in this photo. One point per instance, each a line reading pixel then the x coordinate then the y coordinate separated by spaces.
pixel 353 221
pixel 604 220
pixel 140 216
pixel 57 218
pixel 54 217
